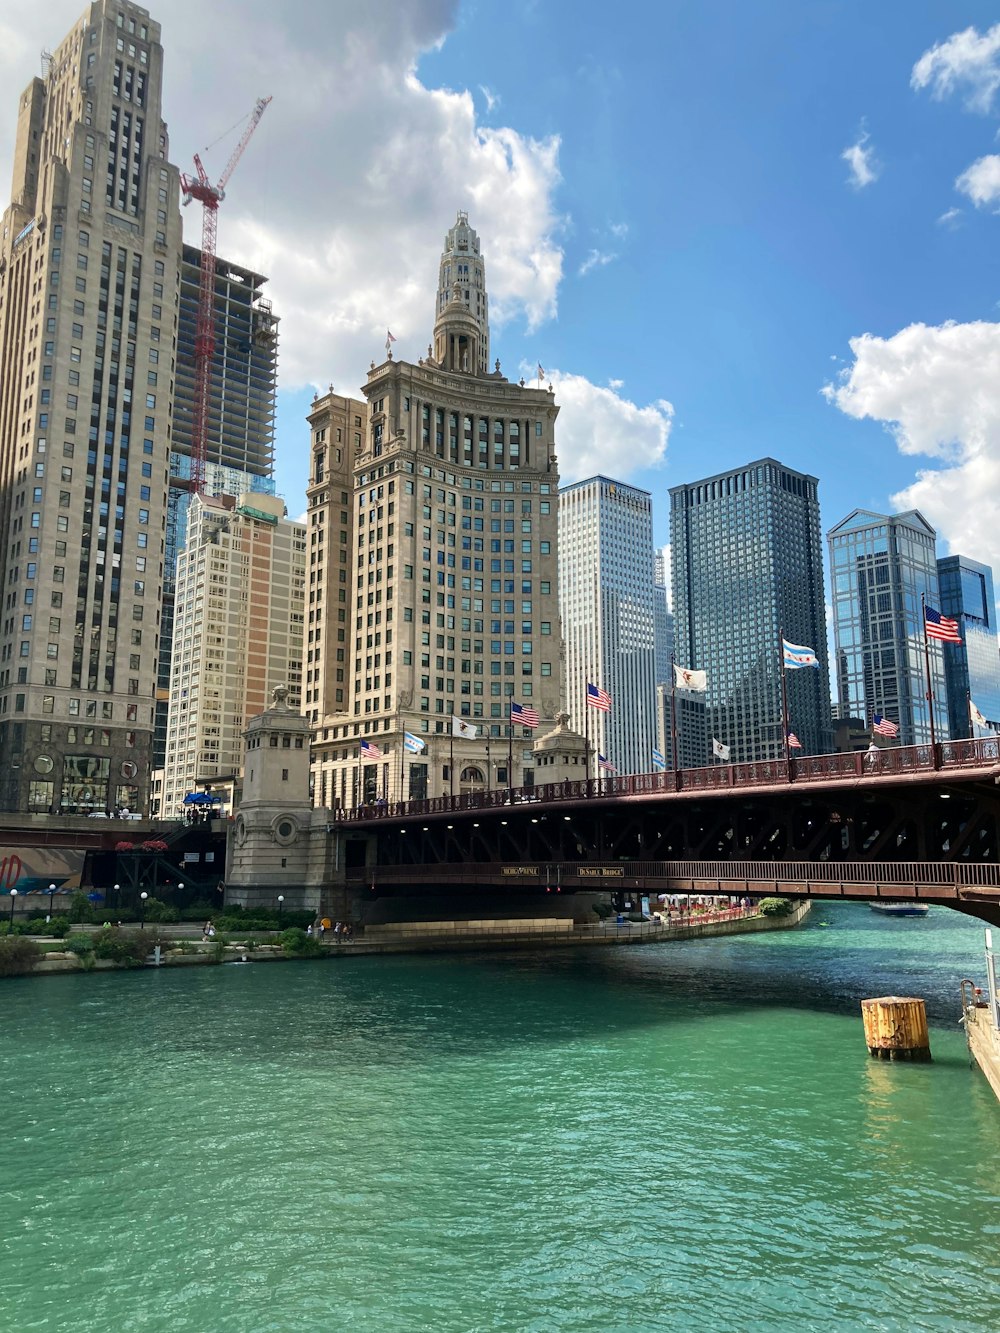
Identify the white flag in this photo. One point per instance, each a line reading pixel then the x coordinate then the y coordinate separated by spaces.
pixel 467 730
pixel 685 679
pixel 977 716
pixel 719 750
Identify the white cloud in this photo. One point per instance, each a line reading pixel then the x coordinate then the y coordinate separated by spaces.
pixel 865 167
pixel 935 390
pixel 619 230
pixel 344 195
pixel 950 219
pixel 966 61
pixel 600 431
pixel 981 181
pixel 491 98
pixel 596 259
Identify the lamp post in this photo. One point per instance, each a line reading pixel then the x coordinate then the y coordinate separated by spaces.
pixel 13 900
pixel 118 897
pixel 52 890
pixel 142 909
pixel 281 903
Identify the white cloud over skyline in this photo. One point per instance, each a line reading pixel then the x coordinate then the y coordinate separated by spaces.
pixel 966 62
pixel 599 431
pixel 864 166
pixel 934 388
pixel 981 181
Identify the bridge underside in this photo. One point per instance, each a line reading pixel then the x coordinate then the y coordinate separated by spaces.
pixel 930 836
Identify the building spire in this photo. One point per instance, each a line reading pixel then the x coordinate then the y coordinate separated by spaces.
pixel 462 326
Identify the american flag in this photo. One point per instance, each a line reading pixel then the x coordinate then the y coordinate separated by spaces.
pixel 369 750
pixel 793 741
pixel 940 627
pixel 883 727
pixel 598 698
pixel 605 764
pixel 523 715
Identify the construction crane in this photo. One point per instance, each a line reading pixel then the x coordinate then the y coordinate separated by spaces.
pixel 210 196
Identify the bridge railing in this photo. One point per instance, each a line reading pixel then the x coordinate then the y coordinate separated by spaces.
pixel 890 761
pixel 950 877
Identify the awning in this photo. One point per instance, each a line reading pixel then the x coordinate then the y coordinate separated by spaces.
pixel 201 798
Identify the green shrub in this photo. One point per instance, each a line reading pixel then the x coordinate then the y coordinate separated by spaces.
pixel 79 907
pixel 157 910
pixel 129 948
pixel 603 910
pixel 237 918
pixel 775 906
pixel 197 912
pixel 18 955
pixel 297 944
pixel 79 944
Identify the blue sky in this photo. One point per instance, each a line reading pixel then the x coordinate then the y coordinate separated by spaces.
pixel 696 218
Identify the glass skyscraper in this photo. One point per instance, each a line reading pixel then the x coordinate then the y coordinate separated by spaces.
pixel 747 570
pixel 606 604
pixel 972 668
pixel 880 565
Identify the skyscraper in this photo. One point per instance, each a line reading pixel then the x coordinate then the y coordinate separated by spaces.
pixel 747 570
pixel 608 612
pixel 240 421
pixel 238 634
pixel 880 566
pixel 972 668
pixel 452 604
pixel 89 260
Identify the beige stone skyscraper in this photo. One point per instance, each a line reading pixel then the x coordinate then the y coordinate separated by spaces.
pixel 451 602
pixel 238 632
pixel 89 253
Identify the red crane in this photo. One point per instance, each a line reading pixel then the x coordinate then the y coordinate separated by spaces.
pixel 210 197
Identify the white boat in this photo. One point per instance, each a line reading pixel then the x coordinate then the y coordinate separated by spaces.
pixel 900 909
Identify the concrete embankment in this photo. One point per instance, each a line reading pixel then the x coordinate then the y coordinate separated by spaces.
pixel 454 937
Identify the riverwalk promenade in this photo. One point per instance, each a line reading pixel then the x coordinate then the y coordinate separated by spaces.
pixel 181 945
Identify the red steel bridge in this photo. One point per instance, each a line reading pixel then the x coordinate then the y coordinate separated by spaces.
pixel 906 823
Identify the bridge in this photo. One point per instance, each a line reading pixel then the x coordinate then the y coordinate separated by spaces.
pixel 908 823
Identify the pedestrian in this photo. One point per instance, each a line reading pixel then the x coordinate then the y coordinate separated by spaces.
pixel 204 932
pixel 873 754
pixel 336 933
pixel 321 929
pixel 309 930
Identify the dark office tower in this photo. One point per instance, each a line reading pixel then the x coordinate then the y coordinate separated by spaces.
pixel 240 421
pixel 880 565
pixel 747 569
pixel 972 668
pixel 89 259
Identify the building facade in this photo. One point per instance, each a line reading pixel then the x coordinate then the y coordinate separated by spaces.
pixel 89 269
pixel 607 604
pixel 240 622
pixel 240 420
pixel 452 592
pixel 972 668
pixel 880 566
pixel 747 570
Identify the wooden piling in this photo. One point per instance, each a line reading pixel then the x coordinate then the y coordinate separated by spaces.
pixel 896 1028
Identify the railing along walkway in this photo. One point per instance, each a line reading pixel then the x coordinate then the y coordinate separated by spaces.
pixel 890 762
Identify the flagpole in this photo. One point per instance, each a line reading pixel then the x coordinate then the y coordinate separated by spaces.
pixel 510 757
pixel 586 730
pixel 451 760
pixel 927 668
pixel 673 709
pixel 784 702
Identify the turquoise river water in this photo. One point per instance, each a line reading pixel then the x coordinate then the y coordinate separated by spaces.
pixel 678 1136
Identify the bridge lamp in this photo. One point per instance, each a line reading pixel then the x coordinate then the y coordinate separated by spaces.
pixel 142 909
pixel 566 817
pixel 13 900
pixel 504 823
pixel 451 825
pixel 475 826
pixel 534 821
pixel 52 890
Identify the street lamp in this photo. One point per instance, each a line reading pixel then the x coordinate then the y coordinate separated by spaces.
pixel 52 890
pixel 142 909
pixel 281 903
pixel 118 897
pixel 13 900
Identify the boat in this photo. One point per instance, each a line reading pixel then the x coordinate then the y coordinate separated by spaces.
pixel 900 909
